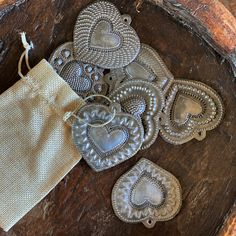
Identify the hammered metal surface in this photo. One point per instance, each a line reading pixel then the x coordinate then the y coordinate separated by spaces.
pixel 144 100
pixel 84 79
pixel 146 193
pixel 104 38
pixel 191 109
pixel 80 204
pixel 148 66
pixel 107 146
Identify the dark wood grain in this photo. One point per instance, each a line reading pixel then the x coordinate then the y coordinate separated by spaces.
pixel 229 226
pixel 230 5
pixel 210 19
pixel 80 204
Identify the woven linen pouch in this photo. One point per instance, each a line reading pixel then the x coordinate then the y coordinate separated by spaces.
pixel 36 148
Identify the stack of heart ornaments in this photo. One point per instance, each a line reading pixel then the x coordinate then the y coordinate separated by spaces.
pixel 106 58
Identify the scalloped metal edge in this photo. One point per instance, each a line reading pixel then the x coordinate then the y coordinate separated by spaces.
pixel 80 137
pixel 198 133
pixel 108 59
pixel 151 62
pixel 126 181
pixel 127 88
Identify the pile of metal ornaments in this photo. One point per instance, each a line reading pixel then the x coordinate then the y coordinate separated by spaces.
pixel 107 58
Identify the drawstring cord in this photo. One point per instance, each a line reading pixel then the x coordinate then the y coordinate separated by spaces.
pixel 25 54
pixel 67 115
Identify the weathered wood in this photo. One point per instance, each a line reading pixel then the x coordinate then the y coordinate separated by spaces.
pixel 80 204
pixel 210 19
pixel 8 5
pixel 229 227
pixel 230 5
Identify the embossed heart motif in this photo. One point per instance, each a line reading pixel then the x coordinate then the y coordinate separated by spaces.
pixel 185 107
pixel 107 140
pixel 138 71
pixel 83 78
pixel 146 193
pixel 106 146
pixel 191 109
pixel 143 100
pixel 102 38
pixel 148 66
pixel 72 73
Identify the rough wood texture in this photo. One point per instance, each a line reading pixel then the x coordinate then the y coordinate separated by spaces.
pixel 210 19
pixel 230 5
pixel 229 228
pixel 8 5
pixel 80 204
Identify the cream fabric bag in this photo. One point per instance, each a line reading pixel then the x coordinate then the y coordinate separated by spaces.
pixel 36 148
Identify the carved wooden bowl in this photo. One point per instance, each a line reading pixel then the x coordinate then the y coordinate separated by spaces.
pixel 194 46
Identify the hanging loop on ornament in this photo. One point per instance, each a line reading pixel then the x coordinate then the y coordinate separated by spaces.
pixel 68 115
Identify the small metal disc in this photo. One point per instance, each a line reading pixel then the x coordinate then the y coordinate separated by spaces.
pixel 146 193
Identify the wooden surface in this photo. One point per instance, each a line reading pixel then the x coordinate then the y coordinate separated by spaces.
pixel 230 5
pixel 229 227
pixel 80 204
pixel 210 19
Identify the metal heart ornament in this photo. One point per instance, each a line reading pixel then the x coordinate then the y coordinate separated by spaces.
pixel 104 38
pixel 145 101
pixel 84 79
pixel 146 193
pixel 107 146
pixel 191 109
pixel 148 65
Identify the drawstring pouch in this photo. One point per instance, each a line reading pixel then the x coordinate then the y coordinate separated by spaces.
pixel 36 148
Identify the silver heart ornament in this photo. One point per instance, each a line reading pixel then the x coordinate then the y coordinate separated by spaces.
pixel 145 101
pixel 104 38
pixel 148 65
pixel 107 146
pixel 192 108
pixel 84 79
pixel 146 193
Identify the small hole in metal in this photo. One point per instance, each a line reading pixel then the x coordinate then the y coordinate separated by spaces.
pixel 110 78
pixel 149 222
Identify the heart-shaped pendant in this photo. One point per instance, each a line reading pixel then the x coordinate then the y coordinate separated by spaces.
pixel 146 193
pixel 191 109
pixel 104 38
pixel 107 139
pixel 107 146
pixel 148 65
pixel 84 79
pixel 145 101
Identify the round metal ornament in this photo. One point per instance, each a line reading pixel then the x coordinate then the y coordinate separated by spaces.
pixel 145 101
pixel 104 38
pixel 109 145
pixel 146 193
pixel 148 65
pixel 191 109
pixel 84 79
